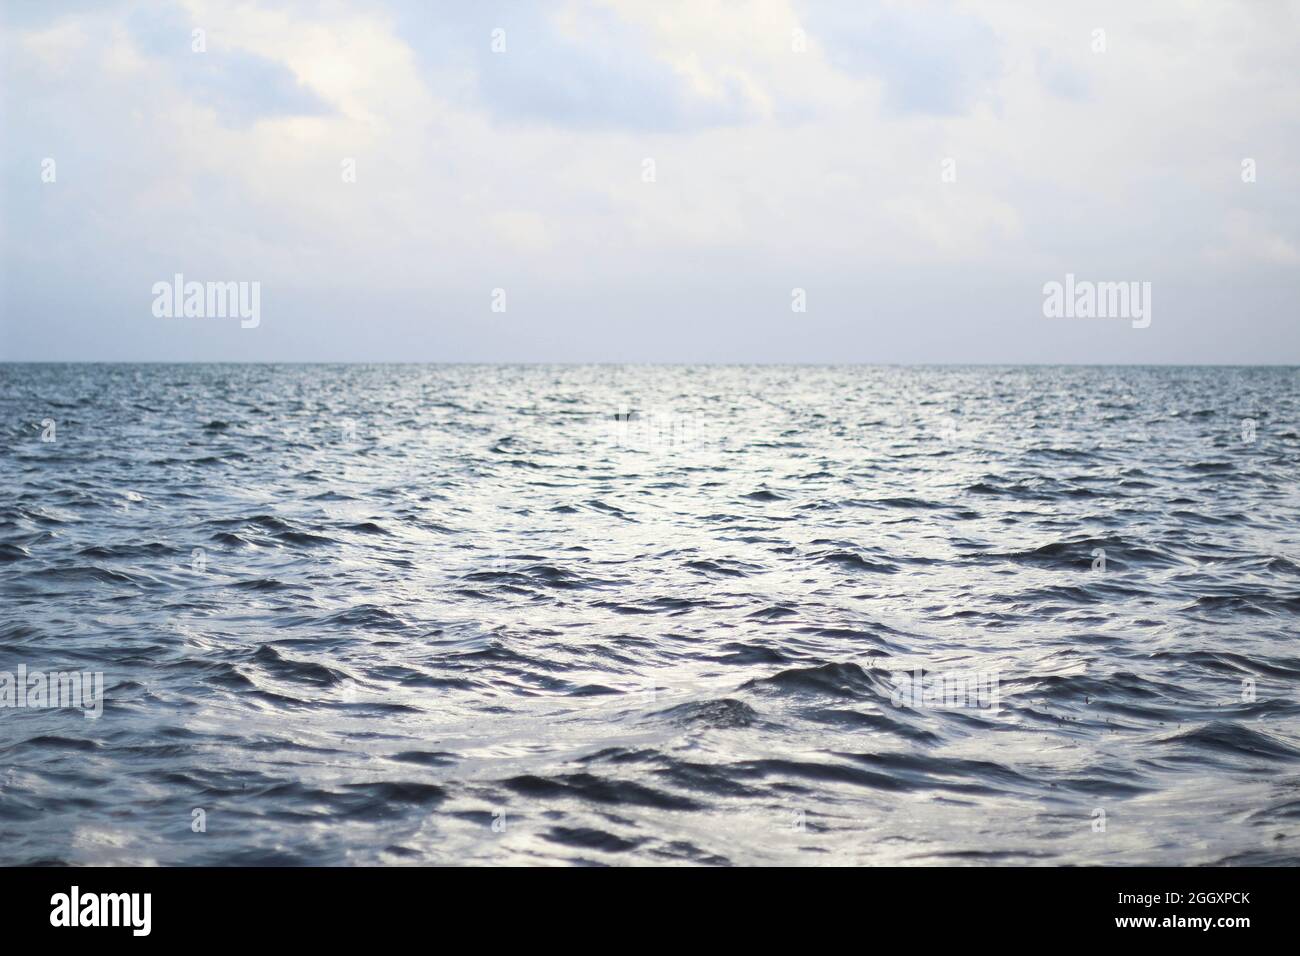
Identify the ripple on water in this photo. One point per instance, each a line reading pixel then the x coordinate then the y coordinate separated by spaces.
pixel 653 614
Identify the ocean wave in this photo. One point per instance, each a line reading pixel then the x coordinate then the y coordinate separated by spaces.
pixel 482 610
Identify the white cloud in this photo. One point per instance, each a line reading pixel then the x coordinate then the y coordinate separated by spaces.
pixel 774 168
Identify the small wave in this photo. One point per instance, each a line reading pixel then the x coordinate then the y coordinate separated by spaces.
pixel 911 504
pixel 13 552
pixel 151 550
pixel 1077 554
pixel 834 679
pixel 426 758
pixel 725 568
pixel 366 616
pixel 304 539
pixel 369 527
pixel 722 713
pixel 588 838
pixel 263 584
pixel 1232 738
pixel 587 786
pixel 853 561
pixel 306 672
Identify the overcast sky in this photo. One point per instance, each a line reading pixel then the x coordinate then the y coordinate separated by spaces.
pixel 778 165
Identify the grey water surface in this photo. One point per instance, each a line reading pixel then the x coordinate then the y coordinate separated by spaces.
pixel 624 614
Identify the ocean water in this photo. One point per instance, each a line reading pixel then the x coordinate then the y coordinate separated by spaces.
pixel 656 615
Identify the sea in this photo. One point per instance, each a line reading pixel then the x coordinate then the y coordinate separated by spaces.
pixel 649 615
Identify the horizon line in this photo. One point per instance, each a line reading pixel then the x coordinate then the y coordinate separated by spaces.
pixel 578 364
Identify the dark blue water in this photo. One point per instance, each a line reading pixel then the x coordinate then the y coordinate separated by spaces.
pixel 417 614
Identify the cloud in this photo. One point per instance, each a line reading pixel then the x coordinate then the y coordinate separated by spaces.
pixel 931 60
pixel 1250 239
pixel 532 63
pixel 777 167
pixel 240 86
pixel 1059 77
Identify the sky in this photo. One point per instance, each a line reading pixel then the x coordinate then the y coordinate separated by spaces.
pixel 650 182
